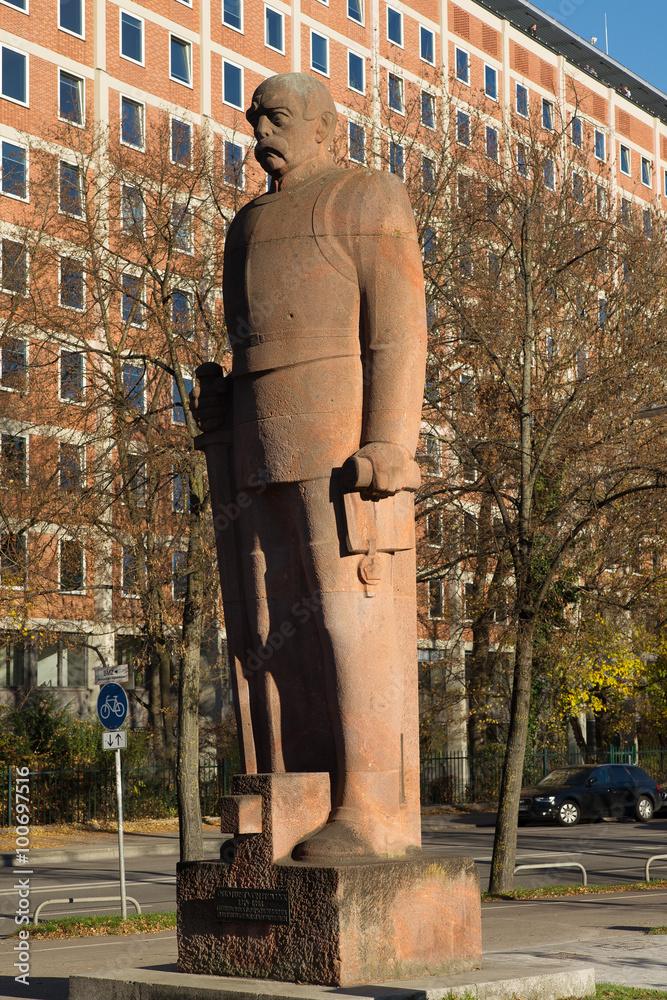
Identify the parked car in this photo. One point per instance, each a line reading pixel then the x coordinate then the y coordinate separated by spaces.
pixel 591 791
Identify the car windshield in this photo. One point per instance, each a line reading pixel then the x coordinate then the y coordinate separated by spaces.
pixel 564 776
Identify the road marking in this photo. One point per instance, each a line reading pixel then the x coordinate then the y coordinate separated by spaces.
pixel 58 886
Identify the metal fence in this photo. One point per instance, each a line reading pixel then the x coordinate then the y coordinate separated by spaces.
pixel 450 778
pixel 149 792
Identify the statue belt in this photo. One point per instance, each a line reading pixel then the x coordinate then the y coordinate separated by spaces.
pixel 281 353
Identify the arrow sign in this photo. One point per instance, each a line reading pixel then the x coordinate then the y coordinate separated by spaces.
pixel 112 706
pixel 117 673
pixel 115 740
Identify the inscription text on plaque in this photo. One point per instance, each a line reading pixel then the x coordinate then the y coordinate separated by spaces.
pixel 263 906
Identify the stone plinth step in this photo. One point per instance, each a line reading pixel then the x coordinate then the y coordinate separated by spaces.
pixel 500 980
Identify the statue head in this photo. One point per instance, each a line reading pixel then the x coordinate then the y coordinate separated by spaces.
pixel 293 117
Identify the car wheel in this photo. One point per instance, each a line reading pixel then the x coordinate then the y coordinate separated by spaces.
pixel 643 809
pixel 569 813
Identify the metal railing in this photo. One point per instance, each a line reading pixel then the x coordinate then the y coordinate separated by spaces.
pixel 649 862
pixel 557 864
pixel 84 899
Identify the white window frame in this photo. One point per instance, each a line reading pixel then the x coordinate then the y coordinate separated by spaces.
pixel 11 291
pixel 664 177
pixel 186 3
pixel 628 172
pixel 400 44
pixel 466 145
pixel 63 211
pixel 64 399
pixel 440 584
pixel 130 594
pixel 580 144
pixel 9 388
pixel 187 209
pixel 361 23
pixel 401 110
pixel 228 62
pixel 142 105
pixel 136 62
pixel 25 436
pixel 327 40
pixel 12 6
pixel 552 113
pixel 603 136
pixel 526 167
pixel 646 162
pixel 351 52
pixel 240 184
pixel 397 146
pixel 267 7
pixel 67 31
pixel 488 66
pixel 188 45
pixel 516 100
pixel 128 224
pixel 26 149
pixel 349 142
pixel 81 448
pixel 552 186
pixel 81 308
pixel 431 98
pixel 20 586
pixel 134 323
pixel 457 49
pixel 422 27
pixel 496 131
pixel 187 292
pixel 68 121
pixel 181 121
pixel 231 27
pixel 13 100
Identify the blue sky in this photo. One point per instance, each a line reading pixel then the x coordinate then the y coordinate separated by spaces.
pixel 637 31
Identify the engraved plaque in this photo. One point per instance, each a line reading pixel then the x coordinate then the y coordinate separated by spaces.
pixel 263 906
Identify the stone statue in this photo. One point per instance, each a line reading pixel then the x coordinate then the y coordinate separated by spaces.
pixel 324 305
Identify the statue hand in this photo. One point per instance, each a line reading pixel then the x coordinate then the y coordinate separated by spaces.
pixel 209 398
pixel 392 469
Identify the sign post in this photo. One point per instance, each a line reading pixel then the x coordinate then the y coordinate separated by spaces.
pixel 112 709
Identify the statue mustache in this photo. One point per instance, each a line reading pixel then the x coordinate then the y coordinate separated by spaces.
pixel 269 146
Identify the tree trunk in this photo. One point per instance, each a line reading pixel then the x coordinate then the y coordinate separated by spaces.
pixel 164 658
pixel 155 708
pixel 504 844
pixel 187 774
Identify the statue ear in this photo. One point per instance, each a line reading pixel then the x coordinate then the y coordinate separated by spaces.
pixel 325 126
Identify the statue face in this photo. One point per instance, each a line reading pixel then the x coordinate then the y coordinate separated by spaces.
pixel 284 138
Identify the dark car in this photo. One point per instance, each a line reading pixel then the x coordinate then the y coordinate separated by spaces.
pixel 591 791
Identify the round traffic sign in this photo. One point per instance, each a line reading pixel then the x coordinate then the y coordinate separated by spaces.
pixel 112 706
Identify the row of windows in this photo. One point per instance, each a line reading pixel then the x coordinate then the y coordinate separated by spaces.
pixel 72 580
pixel 57 661
pixel 396 156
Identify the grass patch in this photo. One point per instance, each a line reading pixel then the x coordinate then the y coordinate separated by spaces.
pixel 610 991
pixel 548 891
pixel 70 927
pixel 658 930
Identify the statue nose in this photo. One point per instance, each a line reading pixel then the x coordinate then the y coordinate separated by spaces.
pixel 262 128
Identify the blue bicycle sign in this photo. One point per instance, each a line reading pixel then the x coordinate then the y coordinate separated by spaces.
pixel 112 706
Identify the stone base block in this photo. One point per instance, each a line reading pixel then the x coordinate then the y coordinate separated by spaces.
pixel 352 923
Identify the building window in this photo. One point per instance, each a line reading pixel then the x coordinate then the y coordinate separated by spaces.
pixel 395 26
pixel 180 493
pixel 12 659
pixel 129 572
pixel 436 599
pixel 434 530
pixel 274 30
pixel 14 367
pixel 232 84
pixel 522 100
pixel 626 213
pixel 430 244
pixel 547 115
pixel 136 479
pixel 521 160
pixel 132 211
pixel 625 160
pixel 647 172
pixel 14 459
pixel 131 123
pixel 356 72
pixel 132 37
pixel 71 283
pixel 182 315
pixel 133 386
pixel 601 200
pixel 14 176
pixel 491 143
pixel 426 45
pixel 13 559
pixel 70 467
pixel 462 66
pixel 463 128
pixel 232 14
pixel 468 602
pixel 71 200
pixel 602 312
pixel 357 143
pixel 132 310
pixel 62 661
pixel 181 142
pixel 433 454
pixel 180 61
pixel 181 227
pixel 577 133
pixel 428 109
pixel 577 187
pixel 428 174
pixel 71 376
pixel 179 562
pixel 19 4
pixel 600 145
pixel 319 53
pixel 355 11
pixel 396 159
pixel 582 364
pixel 70 100
pixel 14 267
pixel 491 82
pixel 396 93
pixel 234 164
pixel 647 223
pixel 178 410
pixel 14 75
pixel 70 16
pixel 549 174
